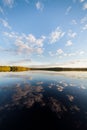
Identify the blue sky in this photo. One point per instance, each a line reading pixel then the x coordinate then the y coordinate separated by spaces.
pixel 43 33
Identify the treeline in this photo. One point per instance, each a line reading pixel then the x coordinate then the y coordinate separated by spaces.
pixel 13 68
pixel 19 68
pixel 60 69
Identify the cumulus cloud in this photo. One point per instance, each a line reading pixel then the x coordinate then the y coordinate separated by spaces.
pixel 31 39
pixel 74 22
pixel 72 34
pixel 27 44
pixel 85 6
pixel 82 1
pixel 11 34
pixel 60 51
pixel 56 35
pixel 51 53
pixel 22 47
pixel 85 27
pixel 8 3
pixel 39 6
pixel 81 52
pixel 39 50
pixel 72 54
pixel 68 10
pixel 84 20
pixel 69 43
pixel 5 23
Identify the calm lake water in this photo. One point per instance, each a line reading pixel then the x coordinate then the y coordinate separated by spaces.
pixel 43 100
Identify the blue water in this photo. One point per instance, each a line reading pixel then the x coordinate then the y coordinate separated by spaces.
pixel 53 100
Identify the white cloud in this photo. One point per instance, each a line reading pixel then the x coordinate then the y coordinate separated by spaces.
pixel 68 10
pixel 56 35
pixel 27 44
pixel 85 27
pixel 36 42
pixel 72 34
pixel 51 53
pixel 22 47
pixel 30 39
pixel 11 34
pixel 82 1
pixel 84 20
pixel 69 43
pixel 39 6
pixel 5 23
pixel 81 52
pixel 85 6
pixel 39 50
pixel 72 54
pixel 60 51
pixel 27 49
pixel 74 22
pixel 8 3
pixel 76 63
pixel 1 10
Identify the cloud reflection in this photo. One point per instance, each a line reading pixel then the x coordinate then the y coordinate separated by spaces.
pixel 60 96
pixel 70 97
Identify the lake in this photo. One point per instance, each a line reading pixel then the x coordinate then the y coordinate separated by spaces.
pixel 43 100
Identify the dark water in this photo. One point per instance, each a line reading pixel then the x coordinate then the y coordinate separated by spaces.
pixel 43 100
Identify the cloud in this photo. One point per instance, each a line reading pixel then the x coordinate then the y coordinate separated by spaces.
pixel 84 20
pixel 72 54
pixel 5 23
pixel 36 42
pixel 39 6
pixel 69 43
pixel 82 1
pixel 27 44
pixel 72 34
pixel 68 10
pixel 1 10
pixel 22 47
pixel 74 63
pixel 74 22
pixel 81 52
pixel 60 51
pixel 85 27
pixel 51 53
pixel 56 35
pixel 39 50
pixel 8 3
pixel 84 6
pixel 11 35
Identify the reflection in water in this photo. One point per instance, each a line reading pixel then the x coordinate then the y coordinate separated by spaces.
pixel 70 97
pixel 52 100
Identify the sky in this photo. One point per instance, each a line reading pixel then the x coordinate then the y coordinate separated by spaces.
pixel 43 33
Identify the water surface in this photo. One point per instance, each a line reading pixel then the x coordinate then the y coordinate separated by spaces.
pixel 43 99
